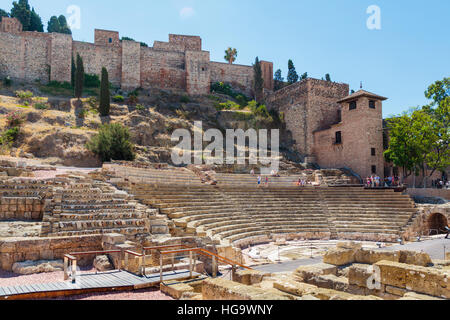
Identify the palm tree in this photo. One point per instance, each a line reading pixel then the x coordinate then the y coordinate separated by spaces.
pixel 230 55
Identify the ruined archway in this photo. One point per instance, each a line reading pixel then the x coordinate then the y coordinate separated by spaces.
pixel 437 223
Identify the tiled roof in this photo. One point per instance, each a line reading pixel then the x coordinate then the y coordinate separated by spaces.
pixel 362 93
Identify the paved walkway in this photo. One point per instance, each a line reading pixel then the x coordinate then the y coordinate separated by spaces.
pixel 287 266
pixel 435 248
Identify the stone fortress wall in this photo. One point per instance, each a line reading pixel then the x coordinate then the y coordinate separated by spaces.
pixel 179 64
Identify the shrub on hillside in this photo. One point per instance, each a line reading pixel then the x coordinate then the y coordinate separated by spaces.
pixel 57 84
pixel 221 87
pixel 7 82
pixel 112 143
pixel 229 105
pixel 10 135
pixel 140 107
pixel 14 119
pixel 91 81
pixel 185 99
pixel 118 98
pixel 40 106
pixel 24 95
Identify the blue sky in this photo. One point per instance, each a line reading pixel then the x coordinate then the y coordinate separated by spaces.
pixel 411 51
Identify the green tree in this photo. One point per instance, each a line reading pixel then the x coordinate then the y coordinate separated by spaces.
pixel 79 77
pixel 292 76
pixel 53 25
pixel 439 111
pixel 58 25
pixel 327 77
pixel 105 97
pixel 36 22
pixel 278 80
pixel 73 72
pixel 3 13
pixel 230 55
pixel 304 76
pixel 30 20
pixel 21 11
pixel 404 146
pixel 420 139
pixel 112 143
pixel 258 81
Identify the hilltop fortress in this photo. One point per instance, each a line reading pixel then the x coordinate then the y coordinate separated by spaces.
pixel 179 64
pixel 330 127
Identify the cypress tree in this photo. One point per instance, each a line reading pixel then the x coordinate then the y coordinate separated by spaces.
pixel 104 94
pixel 292 76
pixel 72 73
pixel 79 78
pixel 258 81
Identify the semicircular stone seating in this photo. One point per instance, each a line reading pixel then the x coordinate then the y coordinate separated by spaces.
pixel 236 211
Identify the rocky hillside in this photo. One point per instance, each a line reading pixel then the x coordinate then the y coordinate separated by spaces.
pixel 56 128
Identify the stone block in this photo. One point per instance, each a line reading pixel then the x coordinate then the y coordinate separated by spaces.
pixel 349 245
pixel 249 277
pixel 396 291
pixel 339 257
pixel 221 289
pixel 307 272
pixel 113 238
pixel 176 290
pixel 330 281
pixel 359 274
pixel 429 281
pixel 373 256
pixel 415 258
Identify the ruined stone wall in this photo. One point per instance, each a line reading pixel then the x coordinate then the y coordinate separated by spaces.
pixel 97 56
pixel 162 69
pixel 238 76
pixel 292 101
pixel 309 105
pixel 61 57
pixel 197 72
pixel 24 249
pixel 11 25
pixel 179 64
pixel 167 46
pixel 190 43
pixel 107 38
pixel 131 64
pixel 267 74
pixel 20 208
pixel 361 131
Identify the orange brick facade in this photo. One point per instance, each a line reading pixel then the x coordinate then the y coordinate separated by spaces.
pixel 328 131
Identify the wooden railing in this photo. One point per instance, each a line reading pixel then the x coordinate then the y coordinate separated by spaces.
pixel 70 260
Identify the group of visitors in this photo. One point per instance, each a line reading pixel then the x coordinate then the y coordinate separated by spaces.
pixel 266 181
pixel 302 182
pixel 440 184
pixel 375 181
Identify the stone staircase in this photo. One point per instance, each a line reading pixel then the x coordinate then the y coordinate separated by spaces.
pixel 237 212
pixel 84 206
pixel 368 214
